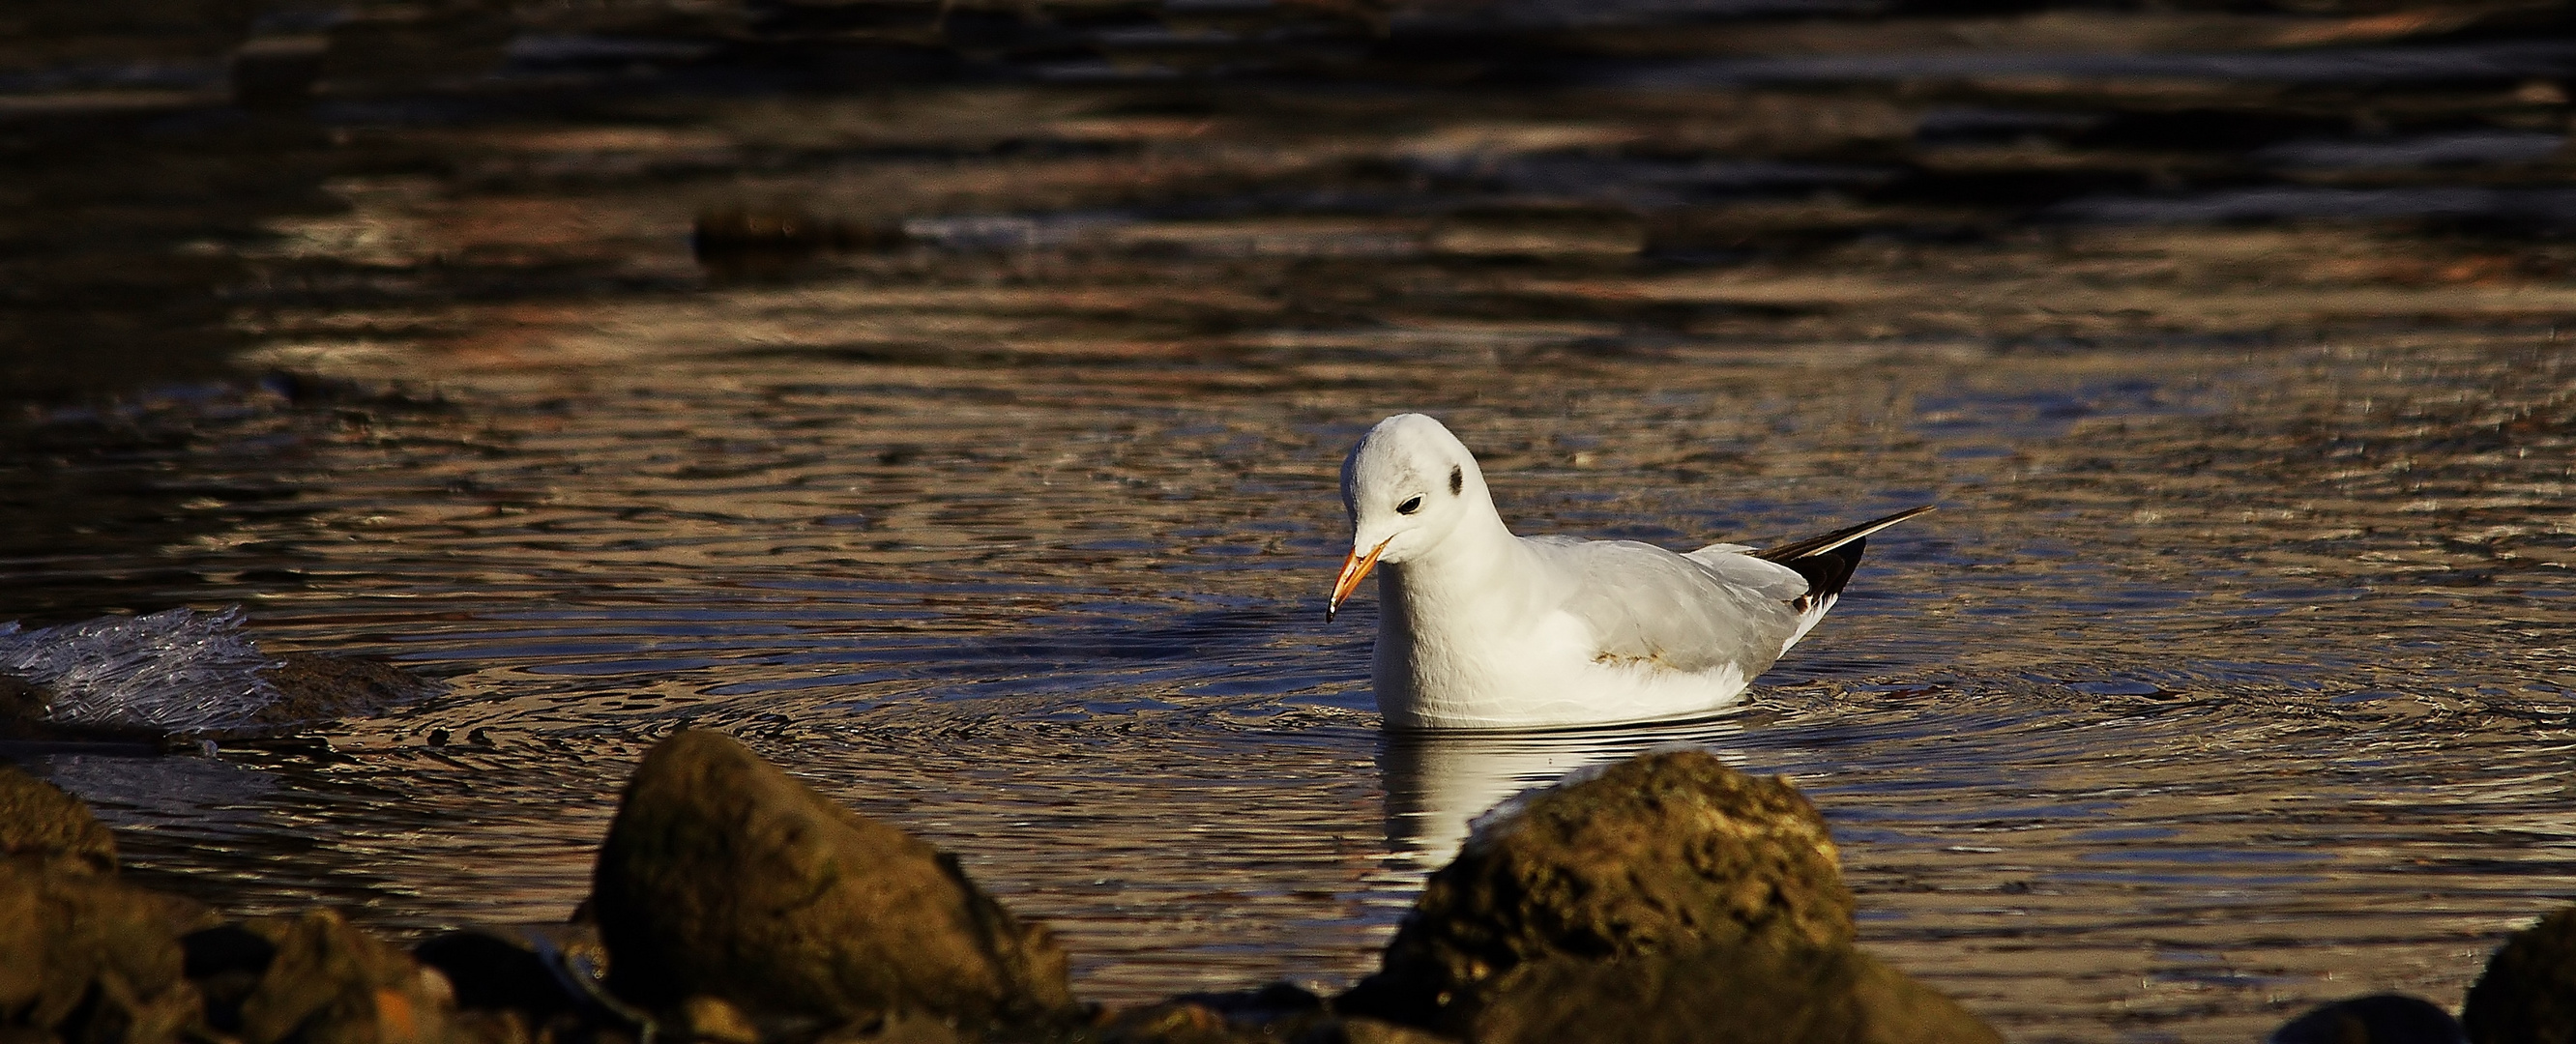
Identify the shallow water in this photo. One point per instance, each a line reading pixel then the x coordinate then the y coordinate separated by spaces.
pixel 2230 677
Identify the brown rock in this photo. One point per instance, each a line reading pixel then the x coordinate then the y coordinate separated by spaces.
pixel 721 876
pixel 22 707
pixel 1731 993
pixel 512 968
pixel 314 688
pixel 2528 993
pixel 1665 853
pixel 37 819
pixel 2383 1018
pixel 710 1019
pixel 89 958
pixel 329 983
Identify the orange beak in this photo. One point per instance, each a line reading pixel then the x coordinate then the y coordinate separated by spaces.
pixel 1354 570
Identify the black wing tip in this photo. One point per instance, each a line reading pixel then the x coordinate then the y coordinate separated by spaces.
pixel 1827 571
pixel 1828 560
pixel 1826 542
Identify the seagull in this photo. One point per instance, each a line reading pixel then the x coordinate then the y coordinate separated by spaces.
pixel 1481 629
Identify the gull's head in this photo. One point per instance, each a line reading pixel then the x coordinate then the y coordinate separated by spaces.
pixel 1406 485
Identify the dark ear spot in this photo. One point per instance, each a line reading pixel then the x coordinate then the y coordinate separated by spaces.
pixel 1457 479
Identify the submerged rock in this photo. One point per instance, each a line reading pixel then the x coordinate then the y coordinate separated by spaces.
pixel 2528 993
pixel 315 688
pixel 39 821
pixel 1667 897
pixel 723 877
pixel 2384 1018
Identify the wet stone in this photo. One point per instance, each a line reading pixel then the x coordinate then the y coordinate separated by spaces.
pixel 1662 854
pixel 723 877
pixel 39 820
pixel 316 688
pixel 2528 993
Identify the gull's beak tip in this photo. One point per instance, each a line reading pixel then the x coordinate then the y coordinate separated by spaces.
pixel 1353 568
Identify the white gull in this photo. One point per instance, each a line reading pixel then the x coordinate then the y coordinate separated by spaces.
pixel 1481 629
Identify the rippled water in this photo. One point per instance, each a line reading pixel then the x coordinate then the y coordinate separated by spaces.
pixel 998 500
pixel 2223 683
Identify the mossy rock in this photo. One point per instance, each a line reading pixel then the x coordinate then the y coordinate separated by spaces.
pixel 1671 852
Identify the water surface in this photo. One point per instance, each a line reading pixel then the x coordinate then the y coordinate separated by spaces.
pixel 2230 678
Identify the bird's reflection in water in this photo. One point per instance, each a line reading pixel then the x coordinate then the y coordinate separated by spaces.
pixel 1439 782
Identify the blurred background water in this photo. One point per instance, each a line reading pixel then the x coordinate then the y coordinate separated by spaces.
pixel 947 398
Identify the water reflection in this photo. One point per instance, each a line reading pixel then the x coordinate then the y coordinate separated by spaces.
pixel 1438 783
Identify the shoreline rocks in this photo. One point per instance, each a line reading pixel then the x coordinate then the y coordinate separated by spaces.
pixel 1664 898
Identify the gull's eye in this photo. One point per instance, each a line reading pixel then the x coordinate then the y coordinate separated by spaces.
pixel 1411 504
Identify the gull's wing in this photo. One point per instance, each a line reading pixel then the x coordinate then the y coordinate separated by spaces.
pixel 1724 603
pixel 1694 612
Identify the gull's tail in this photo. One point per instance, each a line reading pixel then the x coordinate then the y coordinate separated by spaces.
pixel 1827 561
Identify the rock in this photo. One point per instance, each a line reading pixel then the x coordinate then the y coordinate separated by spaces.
pixel 325 982
pixel 1175 1022
pixel 85 957
pixel 1753 993
pixel 22 707
pixel 226 962
pixel 1670 852
pixel 710 1019
pixel 2386 1018
pixel 1665 898
pixel 723 877
pixel 2528 993
pixel 39 820
pixel 316 688
pixel 505 970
